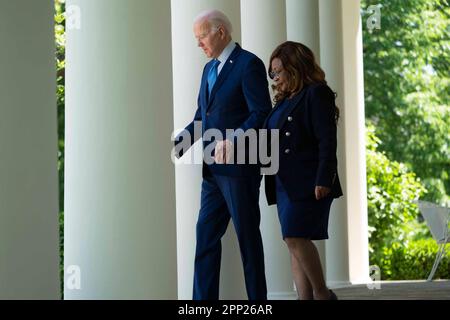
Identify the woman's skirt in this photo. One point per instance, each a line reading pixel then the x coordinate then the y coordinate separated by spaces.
pixel 302 219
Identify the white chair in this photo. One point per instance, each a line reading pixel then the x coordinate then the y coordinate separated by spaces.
pixel 437 219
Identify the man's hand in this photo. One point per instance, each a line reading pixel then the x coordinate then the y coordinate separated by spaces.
pixel 223 152
pixel 322 192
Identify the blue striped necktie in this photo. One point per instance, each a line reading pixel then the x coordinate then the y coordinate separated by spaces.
pixel 212 75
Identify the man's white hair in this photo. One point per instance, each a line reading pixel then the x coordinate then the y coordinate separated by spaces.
pixel 216 19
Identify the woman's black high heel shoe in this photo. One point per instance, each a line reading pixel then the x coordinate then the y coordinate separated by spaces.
pixel 333 296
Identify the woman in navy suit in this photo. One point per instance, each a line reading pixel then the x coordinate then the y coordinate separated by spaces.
pixel 307 181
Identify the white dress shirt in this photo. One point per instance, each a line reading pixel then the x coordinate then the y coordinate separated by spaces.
pixel 225 55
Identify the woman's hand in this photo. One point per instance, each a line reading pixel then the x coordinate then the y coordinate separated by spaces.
pixel 321 192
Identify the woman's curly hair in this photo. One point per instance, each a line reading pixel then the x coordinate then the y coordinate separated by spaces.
pixel 302 69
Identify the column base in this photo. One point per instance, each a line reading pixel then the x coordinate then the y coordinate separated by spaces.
pixel 338 284
pixel 283 295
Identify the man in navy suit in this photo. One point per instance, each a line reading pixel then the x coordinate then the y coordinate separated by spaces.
pixel 233 95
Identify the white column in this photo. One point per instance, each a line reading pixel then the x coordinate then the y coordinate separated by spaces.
pixel 263 26
pixel 29 253
pixel 341 59
pixel 263 29
pixel 120 227
pixel 302 19
pixel 188 63
pixel 354 125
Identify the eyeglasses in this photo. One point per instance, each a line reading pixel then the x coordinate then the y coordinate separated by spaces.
pixel 273 74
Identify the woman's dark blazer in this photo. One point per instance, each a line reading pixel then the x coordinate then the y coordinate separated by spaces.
pixel 308 143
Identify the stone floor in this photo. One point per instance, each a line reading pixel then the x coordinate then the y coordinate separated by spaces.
pixel 398 290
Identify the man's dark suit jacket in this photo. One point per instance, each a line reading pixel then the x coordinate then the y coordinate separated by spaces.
pixel 239 100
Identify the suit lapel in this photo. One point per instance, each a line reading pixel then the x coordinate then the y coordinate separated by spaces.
pixel 204 87
pixel 228 66
pixel 270 114
pixel 292 103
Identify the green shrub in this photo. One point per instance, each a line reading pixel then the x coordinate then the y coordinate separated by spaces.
pixel 413 261
pixel 391 191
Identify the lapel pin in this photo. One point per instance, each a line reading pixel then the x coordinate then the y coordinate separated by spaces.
pixel 231 61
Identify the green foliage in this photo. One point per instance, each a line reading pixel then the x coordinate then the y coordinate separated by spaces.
pixel 413 261
pixel 391 191
pixel 406 74
pixel 60 38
